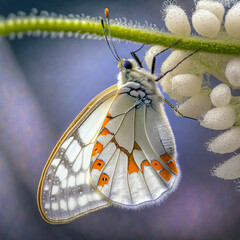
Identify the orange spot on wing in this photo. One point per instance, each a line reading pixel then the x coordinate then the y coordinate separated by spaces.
pixel 104 179
pixel 107 119
pixel 165 158
pixel 143 164
pixel 156 165
pixel 98 164
pixel 172 166
pixel 104 132
pixel 132 166
pixel 165 174
pixel 97 148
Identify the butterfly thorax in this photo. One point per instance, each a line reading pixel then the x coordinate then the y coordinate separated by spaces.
pixel 138 83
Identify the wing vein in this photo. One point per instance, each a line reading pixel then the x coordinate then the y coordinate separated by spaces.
pixel 54 175
pixel 150 145
pixel 144 155
pixel 114 172
pixel 109 159
pixel 132 153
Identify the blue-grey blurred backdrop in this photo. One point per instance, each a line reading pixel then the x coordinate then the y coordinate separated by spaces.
pixel 44 84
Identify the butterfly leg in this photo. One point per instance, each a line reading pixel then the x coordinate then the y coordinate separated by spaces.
pixel 154 58
pixel 170 70
pixel 136 58
pixel 171 106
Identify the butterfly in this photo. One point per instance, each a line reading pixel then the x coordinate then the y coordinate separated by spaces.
pixel 120 150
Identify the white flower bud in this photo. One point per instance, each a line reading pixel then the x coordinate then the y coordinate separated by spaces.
pixel 166 83
pixel 174 94
pixel 219 118
pixel 232 71
pixel 221 95
pixel 228 170
pixel 187 84
pixel 195 106
pixel 227 142
pixel 206 23
pixel 152 52
pixel 215 7
pixel 176 20
pixel 173 59
pixel 232 21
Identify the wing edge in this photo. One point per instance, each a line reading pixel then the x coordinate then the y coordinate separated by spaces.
pixel 107 93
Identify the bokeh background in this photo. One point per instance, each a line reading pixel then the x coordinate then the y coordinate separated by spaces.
pixel 44 84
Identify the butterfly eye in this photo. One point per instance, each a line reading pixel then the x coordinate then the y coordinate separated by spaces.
pixel 127 64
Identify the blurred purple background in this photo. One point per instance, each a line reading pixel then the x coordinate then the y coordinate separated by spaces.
pixel 44 84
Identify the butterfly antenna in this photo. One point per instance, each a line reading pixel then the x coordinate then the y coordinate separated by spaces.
pixel 105 33
pixel 110 35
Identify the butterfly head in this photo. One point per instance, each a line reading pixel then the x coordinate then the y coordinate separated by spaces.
pixel 130 72
pixel 127 65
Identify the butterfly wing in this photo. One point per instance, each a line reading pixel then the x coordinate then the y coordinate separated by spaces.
pixel 132 161
pixel 65 190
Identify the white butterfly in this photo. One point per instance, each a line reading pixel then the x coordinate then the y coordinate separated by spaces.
pixel 119 151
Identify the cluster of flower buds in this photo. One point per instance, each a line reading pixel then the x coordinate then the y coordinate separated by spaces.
pixel 189 84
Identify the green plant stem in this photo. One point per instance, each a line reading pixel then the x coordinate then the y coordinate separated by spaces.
pixel 125 32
